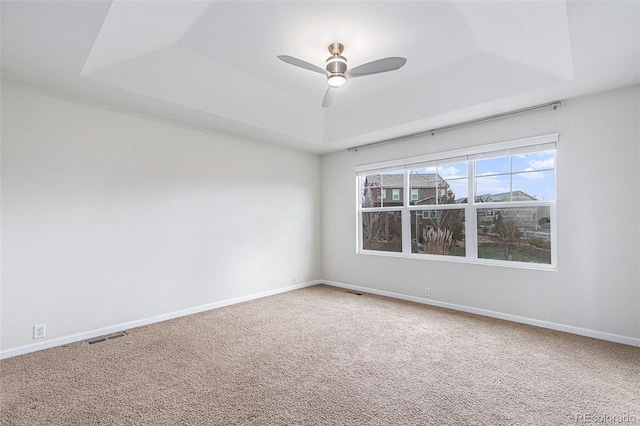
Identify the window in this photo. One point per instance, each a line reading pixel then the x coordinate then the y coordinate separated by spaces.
pixel 493 204
pixel 431 214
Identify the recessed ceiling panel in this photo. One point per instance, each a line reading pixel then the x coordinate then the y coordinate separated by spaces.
pixel 135 28
pixel 533 33
pixel 202 84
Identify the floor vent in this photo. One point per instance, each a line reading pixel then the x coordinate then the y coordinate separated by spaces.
pixel 105 338
pixel 354 292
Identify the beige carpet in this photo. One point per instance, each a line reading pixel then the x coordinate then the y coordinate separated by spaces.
pixel 325 356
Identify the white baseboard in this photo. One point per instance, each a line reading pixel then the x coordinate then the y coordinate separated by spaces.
pixel 626 340
pixel 146 321
pixel 632 341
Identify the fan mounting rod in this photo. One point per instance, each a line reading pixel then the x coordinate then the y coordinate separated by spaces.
pixel 336 65
pixel 336 48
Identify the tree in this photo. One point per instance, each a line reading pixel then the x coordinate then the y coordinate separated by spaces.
pixel 449 220
pixel 453 220
pixel 373 229
pixel 373 225
pixel 508 232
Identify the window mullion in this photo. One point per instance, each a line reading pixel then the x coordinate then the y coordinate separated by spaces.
pixel 471 217
pixel 406 213
pixel 511 178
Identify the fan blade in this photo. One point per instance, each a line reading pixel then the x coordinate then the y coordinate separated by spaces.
pixel 377 67
pixel 300 63
pixel 329 97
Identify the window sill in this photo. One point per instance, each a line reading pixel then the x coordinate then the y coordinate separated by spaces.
pixel 459 259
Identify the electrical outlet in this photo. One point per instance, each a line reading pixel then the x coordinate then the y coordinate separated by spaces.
pixel 295 279
pixel 427 292
pixel 39 331
pixel 295 225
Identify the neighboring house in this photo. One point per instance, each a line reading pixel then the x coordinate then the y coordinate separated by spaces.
pixel 516 195
pixel 387 190
pixel 526 217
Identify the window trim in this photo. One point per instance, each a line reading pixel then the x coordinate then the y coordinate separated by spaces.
pixel 477 152
pixel 506 148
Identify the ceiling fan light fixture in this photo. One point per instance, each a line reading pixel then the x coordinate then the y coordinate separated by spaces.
pixel 336 66
pixel 336 80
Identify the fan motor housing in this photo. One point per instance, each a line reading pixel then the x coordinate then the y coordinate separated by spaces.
pixel 336 64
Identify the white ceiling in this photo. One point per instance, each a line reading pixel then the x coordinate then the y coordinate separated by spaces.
pixel 213 63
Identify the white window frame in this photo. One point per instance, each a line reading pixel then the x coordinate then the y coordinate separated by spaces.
pixel 414 194
pixel 546 142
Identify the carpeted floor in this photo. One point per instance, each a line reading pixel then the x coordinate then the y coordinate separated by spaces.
pixel 322 355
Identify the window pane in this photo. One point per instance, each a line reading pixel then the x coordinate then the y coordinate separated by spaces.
pixel 424 181
pixel 378 190
pixel 370 191
pixel 493 189
pixel 533 161
pixel 493 166
pixel 453 171
pixel 534 186
pixel 457 192
pixel 382 231
pixel 439 185
pixel 438 232
pixel 452 183
pixel 393 183
pixel 515 234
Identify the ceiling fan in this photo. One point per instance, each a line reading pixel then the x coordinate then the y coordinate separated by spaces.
pixel 336 69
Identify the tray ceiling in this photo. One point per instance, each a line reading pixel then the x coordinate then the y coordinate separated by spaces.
pixel 214 65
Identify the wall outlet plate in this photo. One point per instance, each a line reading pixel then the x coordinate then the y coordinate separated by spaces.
pixel 39 331
pixel 427 292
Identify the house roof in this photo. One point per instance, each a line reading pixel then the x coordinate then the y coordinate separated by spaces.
pixel 516 195
pixel 417 180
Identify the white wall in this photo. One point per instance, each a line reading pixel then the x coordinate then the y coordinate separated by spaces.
pixel 597 285
pixel 109 217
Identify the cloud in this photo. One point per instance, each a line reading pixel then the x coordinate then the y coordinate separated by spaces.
pixel 532 175
pixel 547 163
pixel 492 185
pixel 450 172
